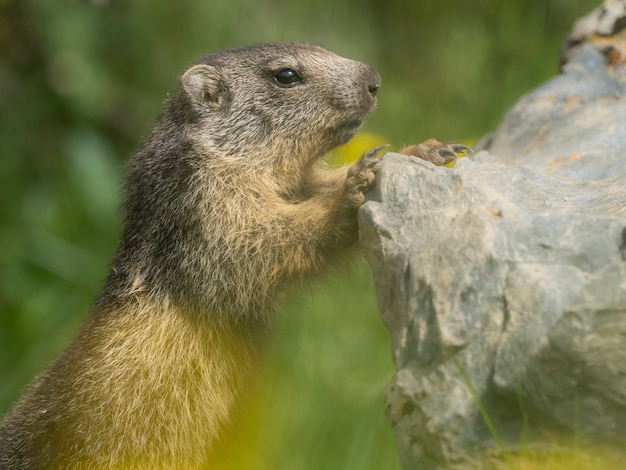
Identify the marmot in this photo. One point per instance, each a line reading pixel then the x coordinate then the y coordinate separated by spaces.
pixel 227 202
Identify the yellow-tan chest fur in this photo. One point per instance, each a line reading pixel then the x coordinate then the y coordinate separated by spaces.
pixel 158 389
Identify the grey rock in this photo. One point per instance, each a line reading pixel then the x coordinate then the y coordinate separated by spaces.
pixel 503 280
pixel 571 126
pixel 606 20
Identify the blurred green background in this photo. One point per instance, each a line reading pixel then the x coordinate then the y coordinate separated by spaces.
pixel 81 82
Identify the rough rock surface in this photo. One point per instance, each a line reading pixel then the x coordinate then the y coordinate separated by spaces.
pixel 503 279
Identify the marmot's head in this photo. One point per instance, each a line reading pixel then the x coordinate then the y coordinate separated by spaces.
pixel 254 110
pixel 275 101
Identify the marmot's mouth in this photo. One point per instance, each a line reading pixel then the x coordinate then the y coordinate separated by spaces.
pixel 340 134
pixel 350 126
pixel 345 131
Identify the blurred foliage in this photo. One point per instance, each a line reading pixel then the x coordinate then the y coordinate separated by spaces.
pixel 81 82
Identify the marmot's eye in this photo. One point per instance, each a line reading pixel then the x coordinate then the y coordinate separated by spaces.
pixel 287 77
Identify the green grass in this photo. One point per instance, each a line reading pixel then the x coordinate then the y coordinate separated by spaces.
pixel 328 408
pixel 547 451
pixel 565 458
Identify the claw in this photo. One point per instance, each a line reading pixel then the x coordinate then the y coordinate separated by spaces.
pixel 447 153
pixel 461 149
pixel 439 153
pixel 373 152
pixel 361 177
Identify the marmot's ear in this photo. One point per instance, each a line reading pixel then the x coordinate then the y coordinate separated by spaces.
pixel 204 85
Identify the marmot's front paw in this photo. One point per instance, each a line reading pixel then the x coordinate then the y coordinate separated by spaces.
pixel 436 152
pixel 361 176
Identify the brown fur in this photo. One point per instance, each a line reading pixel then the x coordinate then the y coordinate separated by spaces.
pixel 226 203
